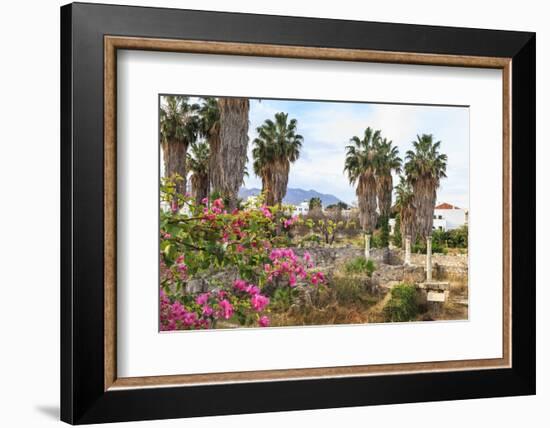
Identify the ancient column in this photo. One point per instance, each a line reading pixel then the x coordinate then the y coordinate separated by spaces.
pixel 428 258
pixel 408 250
pixel 367 246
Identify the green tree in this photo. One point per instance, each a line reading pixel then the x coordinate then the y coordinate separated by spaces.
pixel 209 125
pixel 340 206
pixel 360 165
pixel 178 129
pixel 406 207
pixel 277 146
pixel 387 161
pixel 315 204
pixel 197 163
pixel 425 167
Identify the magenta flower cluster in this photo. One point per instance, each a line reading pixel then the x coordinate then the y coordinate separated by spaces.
pixel 174 316
pixel 257 300
pixel 266 211
pixel 287 223
pixel 285 264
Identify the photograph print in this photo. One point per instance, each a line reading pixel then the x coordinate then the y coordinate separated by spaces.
pixel 287 213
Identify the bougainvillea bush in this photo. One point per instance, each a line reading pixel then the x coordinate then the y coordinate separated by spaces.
pixel 200 238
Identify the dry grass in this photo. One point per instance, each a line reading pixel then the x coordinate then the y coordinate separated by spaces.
pixel 344 301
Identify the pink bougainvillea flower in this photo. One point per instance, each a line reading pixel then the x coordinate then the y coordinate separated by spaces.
pixel 252 289
pixel 259 302
pixel 190 318
pixel 207 310
pixel 292 280
pixel 226 309
pixel 266 211
pixel 240 284
pixel 264 321
pixel 204 201
pixel 202 298
pixel 218 203
pixel 290 221
pixel 317 277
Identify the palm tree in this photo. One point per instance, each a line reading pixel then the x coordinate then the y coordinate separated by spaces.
pixel 209 125
pixel 425 167
pixel 315 204
pixel 387 160
pixel 276 147
pixel 234 143
pixel 360 165
pixel 178 129
pixel 198 164
pixel 404 201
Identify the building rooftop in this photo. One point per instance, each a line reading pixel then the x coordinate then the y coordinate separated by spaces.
pixel 446 206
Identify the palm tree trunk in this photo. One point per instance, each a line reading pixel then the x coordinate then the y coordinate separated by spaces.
pixel 267 187
pixel 199 186
pixel 384 187
pixel 281 170
pixel 234 143
pixel 214 161
pixel 425 195
pixel 174 156
pixel 366 195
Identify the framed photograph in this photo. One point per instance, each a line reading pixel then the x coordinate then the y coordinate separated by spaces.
pixel 267 213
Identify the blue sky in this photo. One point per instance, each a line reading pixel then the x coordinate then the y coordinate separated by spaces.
pixel 328 126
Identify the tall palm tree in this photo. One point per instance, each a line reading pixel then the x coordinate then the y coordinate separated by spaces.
pixel 234 143
pixel 209 125
pixel 315 204
pixel 198 164
pixel 387 160
pixel 360 165
pixel 425 168
pixel 178 129
pixel 404 201
pixel 276 147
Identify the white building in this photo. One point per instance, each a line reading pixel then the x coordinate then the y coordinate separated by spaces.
pixel 302 208
pixel 449 217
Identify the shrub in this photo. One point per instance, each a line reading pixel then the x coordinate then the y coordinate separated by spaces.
pixel 360 265
pixel 350 292
pixel 438 245
pixel 201 237
pixel 402 304
pixel 347 290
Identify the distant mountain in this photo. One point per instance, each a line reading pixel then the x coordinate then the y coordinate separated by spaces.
pixel 294 196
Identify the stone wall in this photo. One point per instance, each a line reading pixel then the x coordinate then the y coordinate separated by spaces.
pixel 389 267
pixel 443 265
pixel 329 256
pixel 388 275
pixel 389 264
